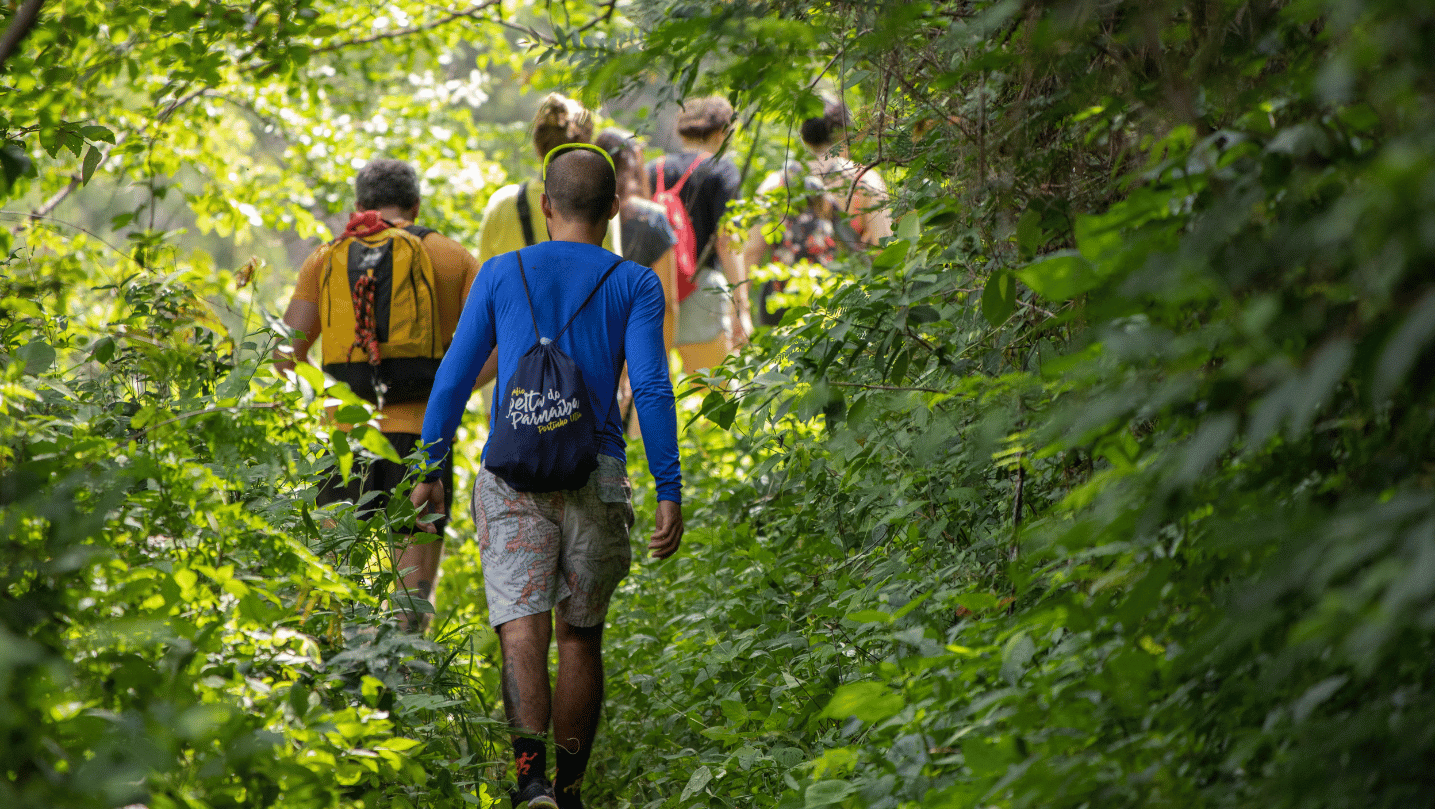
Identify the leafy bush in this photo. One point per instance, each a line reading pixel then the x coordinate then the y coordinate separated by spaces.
pixel 1110 485
pixel 177 629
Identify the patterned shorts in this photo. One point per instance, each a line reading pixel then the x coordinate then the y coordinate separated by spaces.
pixel 567 549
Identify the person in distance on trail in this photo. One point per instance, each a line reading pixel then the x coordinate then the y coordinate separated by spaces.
pixel 826 136
pixel 809 230
pixel 647 234
pixel 709 324
pixel 511 219
pixel 551 561
pixel 820 213
pixel 386 199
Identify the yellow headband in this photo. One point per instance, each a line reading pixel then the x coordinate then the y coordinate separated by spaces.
pixel 568 147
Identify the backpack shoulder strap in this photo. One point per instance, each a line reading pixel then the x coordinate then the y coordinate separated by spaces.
pixel 678 186
pixel 419 230
pixel 518 254
pixel 525 217
pixel 598 286
pixel 662 175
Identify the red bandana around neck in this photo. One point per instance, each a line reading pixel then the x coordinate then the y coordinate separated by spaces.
pixel 364 223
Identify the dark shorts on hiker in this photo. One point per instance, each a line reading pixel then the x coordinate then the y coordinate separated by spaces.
pixel 554 550
pixel 382 476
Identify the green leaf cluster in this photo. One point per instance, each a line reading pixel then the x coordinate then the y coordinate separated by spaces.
pixel 1110 484
pixel 176 629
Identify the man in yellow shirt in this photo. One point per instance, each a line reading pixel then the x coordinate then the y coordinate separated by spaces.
pixel 391 189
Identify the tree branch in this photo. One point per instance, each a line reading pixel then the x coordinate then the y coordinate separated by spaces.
pixel 865 386
pixel 76 180
pixel 470 13
pixel 19 27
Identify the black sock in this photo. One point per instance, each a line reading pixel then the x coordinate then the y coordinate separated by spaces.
pixel 531 756
pixel 568 777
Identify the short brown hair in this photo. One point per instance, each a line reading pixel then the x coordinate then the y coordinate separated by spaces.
pixel 703 116
pixel 560 120
pixel 384 182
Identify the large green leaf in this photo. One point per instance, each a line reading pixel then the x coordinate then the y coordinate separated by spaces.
pixel 1060 276
pixel 868 701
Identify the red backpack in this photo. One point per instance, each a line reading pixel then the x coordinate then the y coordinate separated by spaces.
pixel 685 252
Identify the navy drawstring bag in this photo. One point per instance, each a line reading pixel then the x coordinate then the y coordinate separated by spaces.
pixel 546 436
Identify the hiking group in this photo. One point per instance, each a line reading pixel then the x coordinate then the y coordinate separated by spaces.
pixel 587 276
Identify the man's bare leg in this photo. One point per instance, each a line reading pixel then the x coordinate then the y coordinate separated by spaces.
pixel 420 557
pixel 527 694
pixel 577 704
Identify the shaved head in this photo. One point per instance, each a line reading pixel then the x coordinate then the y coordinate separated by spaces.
pixel 580 185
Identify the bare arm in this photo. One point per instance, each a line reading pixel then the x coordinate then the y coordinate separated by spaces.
pixel 667 269
pixel 736 273
pixel 489 370
pixel 754 253
pixel 303 318
pixel 872 220
pixel 427 497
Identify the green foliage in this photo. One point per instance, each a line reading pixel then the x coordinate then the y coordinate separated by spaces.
pixel 1112 485
pixel 1106 481
pixel 175 628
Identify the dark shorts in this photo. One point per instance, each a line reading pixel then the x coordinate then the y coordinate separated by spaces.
pixel 384 477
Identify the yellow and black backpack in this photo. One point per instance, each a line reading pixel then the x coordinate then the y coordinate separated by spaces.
pixel 379 315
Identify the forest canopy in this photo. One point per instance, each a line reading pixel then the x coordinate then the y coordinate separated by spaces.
pixel 1107 479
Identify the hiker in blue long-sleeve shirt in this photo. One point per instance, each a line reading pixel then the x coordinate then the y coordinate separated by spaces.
pixel 563 551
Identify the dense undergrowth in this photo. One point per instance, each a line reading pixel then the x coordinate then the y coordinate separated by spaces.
pixel 177 627
pixel 1092 491
pixel 1107 482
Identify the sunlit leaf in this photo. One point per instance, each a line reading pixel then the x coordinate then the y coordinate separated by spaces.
pixel 1060 276
pixel 867 701
pixel 999 298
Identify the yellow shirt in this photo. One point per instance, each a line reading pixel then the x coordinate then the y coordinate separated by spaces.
pixel 501 232
pixel 454 271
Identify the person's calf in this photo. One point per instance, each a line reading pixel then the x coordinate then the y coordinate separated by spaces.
pixel 568 777
pixel 416 562
pixel 527 693
pixel 577 704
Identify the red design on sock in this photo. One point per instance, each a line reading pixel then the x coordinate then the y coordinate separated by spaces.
pixel 524 761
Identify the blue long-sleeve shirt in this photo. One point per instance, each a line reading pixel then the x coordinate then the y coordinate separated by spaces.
pixel 624 320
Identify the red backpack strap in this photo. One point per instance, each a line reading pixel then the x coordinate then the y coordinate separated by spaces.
pixel 662 175
pixel 678 187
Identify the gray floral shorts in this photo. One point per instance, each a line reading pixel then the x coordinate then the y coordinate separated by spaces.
pixel 566 550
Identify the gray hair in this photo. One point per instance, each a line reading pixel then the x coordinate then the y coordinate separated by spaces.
pixel 384 182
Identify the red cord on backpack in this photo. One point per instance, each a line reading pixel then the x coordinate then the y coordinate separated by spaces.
pixel 366 331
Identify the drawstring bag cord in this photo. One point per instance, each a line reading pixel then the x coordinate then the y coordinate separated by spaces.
pixel 366 332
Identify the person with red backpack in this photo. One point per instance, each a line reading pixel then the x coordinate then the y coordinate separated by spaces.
pixel 695 186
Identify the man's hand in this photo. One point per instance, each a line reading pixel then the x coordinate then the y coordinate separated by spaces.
pixel 427 498
pixel 668 534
